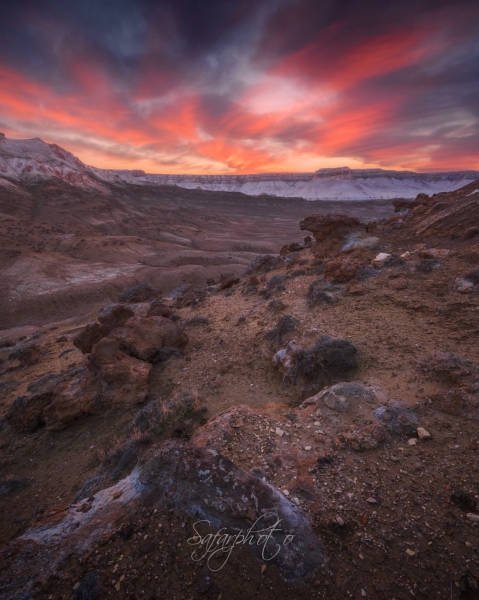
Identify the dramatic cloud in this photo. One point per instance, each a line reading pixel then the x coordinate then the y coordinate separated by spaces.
pixel 243 86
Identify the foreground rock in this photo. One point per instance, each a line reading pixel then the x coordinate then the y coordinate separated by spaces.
pixel 196 481
pixel 339 397
pixel 119 351
pixel 318 365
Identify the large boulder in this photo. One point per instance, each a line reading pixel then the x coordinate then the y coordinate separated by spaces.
pixel 145 337
pixel 77 396
pixel 201 484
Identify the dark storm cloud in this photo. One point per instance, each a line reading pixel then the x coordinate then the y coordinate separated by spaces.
pixel 242 84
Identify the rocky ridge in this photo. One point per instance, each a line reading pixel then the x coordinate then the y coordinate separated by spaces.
pixel 34 160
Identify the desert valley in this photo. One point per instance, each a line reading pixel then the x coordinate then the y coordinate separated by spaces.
pixel 173 355
pixel 239 300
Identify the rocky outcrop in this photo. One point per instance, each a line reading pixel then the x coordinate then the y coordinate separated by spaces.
pixel 330 232
pixel 198 482
pixel 90 335
pixel 347 266
pixel 119 352
pixel 145 337
pixel 26 414
pixel 113 381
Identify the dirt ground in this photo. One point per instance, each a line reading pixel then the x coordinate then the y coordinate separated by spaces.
pixel 395 519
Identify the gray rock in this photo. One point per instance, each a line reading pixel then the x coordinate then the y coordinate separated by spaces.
pixel 397 418
pixel 340 396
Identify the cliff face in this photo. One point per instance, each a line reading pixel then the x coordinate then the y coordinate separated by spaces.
pixel 324 184
pixel 34 160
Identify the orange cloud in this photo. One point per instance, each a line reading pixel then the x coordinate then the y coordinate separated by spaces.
pixel 313 103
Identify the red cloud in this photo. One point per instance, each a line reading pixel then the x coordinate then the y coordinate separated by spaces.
pixel 312 103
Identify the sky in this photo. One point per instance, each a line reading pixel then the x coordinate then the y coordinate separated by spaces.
pixel 245 86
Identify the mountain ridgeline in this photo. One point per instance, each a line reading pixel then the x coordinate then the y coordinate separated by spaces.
pixel 30 161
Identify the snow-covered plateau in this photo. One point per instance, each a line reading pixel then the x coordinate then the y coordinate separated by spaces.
pixel 28 161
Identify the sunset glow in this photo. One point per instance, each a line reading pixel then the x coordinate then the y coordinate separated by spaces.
pixel 245 87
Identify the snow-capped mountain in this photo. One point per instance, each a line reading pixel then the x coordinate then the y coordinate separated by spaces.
pixel 28 161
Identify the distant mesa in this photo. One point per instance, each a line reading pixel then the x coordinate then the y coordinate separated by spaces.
pixel 33 160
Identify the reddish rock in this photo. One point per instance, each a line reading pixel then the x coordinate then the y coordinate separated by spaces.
pixel 106 351
pixel 341 270
pixel 330 232
pixel 92 334
pixel 25 414
pixel 344 269
pixel 77 396
pixel 454 402
pixel 159 309
pixel 124 383
pixel 118 381
pixel 144 337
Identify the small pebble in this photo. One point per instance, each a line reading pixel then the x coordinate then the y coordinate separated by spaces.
pixel 423 434
pixel 307 447
pixel 372 501
pixel 412 441
pixel 410 552
pixel 473 517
